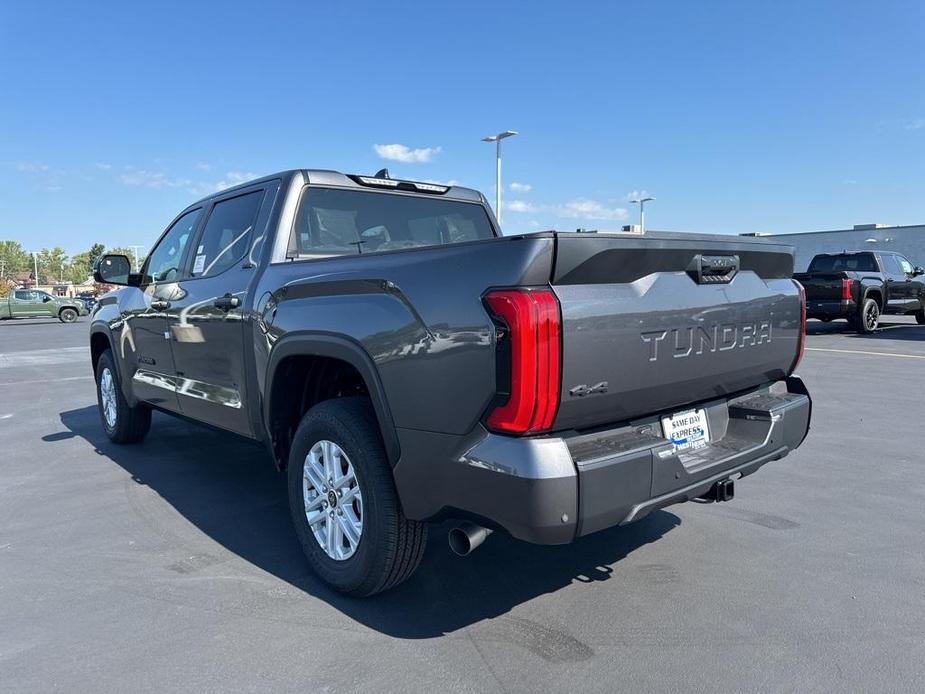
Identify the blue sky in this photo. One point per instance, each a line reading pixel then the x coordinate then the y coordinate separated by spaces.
pixel 737 116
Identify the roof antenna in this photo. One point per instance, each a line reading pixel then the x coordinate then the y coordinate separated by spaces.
pixel 382 173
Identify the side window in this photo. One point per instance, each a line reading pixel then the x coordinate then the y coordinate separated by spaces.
pixel 24 296
pixel 891 265
pixel 227 234
pixel 905 265
pixel 163 264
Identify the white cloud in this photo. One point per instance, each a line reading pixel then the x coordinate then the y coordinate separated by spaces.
pixel 41 175
pixel 202 166
pixel 232 178
pixel 520 187
pixel 636 195
pixel 520 206
pixel 103 166
pixel 143 178
pixel 585 208
pixel 579 208
pixel 914 124
pixel 451 182
pixel 31 167
pixel 405 154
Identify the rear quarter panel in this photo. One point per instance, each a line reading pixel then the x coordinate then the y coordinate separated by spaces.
pixel 417 314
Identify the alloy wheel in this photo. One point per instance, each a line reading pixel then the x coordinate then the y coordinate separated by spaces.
pixel 871 316
pixel 108 397
pixel 333 500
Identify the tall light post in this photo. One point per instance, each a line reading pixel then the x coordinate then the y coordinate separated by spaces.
pixel 135 249
pixel 35 258
pixel 497 140
pixel 642 212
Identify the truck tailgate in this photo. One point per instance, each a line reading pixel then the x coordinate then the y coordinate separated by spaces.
pixel 822 286
pixel 653 324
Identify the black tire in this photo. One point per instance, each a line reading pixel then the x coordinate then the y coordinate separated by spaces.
pixel 390 546
pixel 67 315
pixel 131 424
pixel 920 316
pixel 868 317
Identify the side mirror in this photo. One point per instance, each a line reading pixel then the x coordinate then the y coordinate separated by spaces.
pixel 918 270
pixel 112 269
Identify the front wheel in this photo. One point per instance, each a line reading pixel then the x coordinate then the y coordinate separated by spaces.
pixel 869 317
pixel 122 423
pixel 344 504
pixel 67 315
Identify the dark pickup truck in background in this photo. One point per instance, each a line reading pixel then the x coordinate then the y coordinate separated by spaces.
pixel 861 286
pixel 406 363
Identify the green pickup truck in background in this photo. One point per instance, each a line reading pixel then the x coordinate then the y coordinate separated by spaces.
pixel 31 303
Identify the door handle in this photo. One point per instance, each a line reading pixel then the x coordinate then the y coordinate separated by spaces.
pixel 160 304
pixel 227 302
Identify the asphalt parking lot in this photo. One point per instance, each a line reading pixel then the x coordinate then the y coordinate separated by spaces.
pixel 173 565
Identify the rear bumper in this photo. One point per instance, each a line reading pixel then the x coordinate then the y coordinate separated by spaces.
pixel 831 309
pixel 552 490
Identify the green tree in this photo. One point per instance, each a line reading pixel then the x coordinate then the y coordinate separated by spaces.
pixel 131 256
pixel 13 259
pixel 81 265
pixel 52 264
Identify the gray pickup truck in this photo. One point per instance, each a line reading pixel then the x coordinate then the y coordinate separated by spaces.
pixel 406 363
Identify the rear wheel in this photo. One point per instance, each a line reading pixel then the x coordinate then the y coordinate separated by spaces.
pixel 869 317
pixel 344 504
pixel 122 423
pixel 67 315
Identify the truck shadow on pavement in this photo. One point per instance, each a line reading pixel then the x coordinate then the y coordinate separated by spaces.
pixel 229 489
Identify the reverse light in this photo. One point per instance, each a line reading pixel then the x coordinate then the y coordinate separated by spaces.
pixel 532 350
pixel 801 348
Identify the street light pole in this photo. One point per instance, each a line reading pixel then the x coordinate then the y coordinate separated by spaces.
pixel 642 212
pixel 135 249
pixel 497 140
pixel 35 258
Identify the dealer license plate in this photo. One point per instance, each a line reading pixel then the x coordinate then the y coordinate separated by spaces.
pixel 686 430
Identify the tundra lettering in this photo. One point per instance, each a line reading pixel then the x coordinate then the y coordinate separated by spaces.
pixel 401 363
pixel 717 338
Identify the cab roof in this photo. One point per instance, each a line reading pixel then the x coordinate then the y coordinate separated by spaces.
pixel 327 177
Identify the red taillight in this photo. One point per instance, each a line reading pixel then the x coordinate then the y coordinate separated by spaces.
pixel 846 286
pixel 533 335
pixel 801 348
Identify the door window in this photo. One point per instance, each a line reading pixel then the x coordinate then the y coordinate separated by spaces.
pixel 24 296
pixel 891 265
pixel 227 234
pixel 163 264
pixel 905 265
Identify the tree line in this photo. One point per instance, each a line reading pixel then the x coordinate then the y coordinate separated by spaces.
pixel 54 265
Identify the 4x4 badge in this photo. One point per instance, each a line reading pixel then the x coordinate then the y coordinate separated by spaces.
pixel 582 390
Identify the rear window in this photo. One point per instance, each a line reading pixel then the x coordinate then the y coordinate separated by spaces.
pixel 342 222
pixel 858 262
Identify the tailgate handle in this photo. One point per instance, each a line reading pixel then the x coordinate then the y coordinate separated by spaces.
pixel 713 269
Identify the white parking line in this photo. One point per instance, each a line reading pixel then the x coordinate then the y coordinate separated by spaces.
pixel 46 380
pixel 858 351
